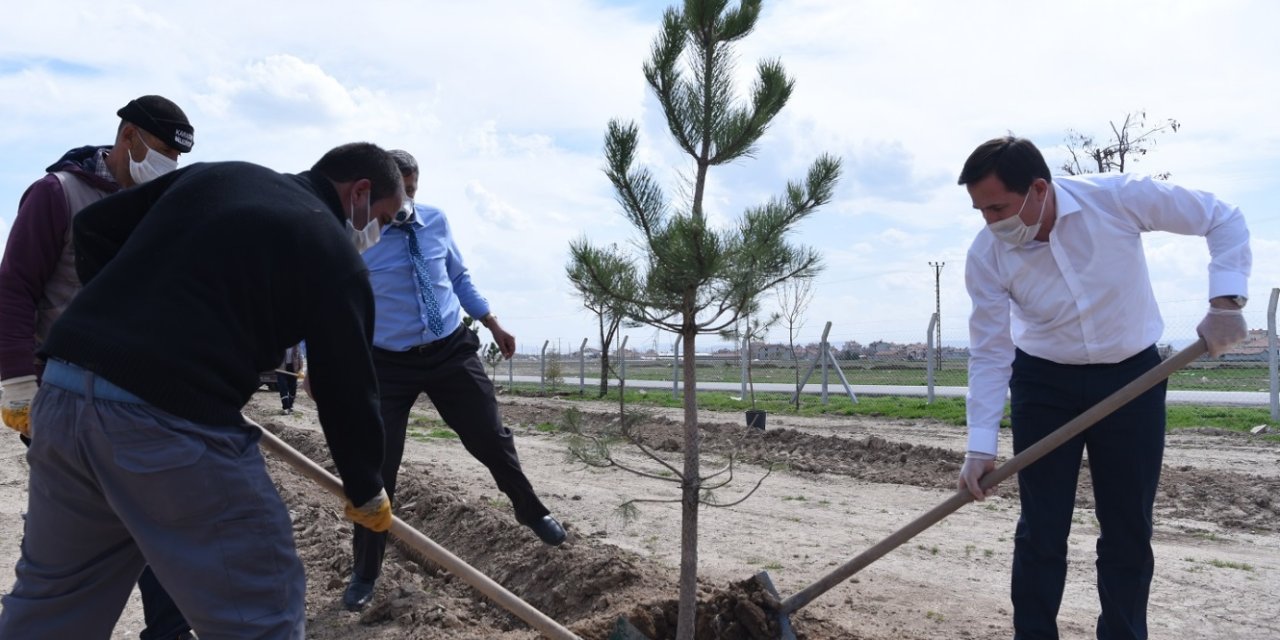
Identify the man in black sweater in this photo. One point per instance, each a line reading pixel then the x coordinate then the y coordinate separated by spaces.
pixel 194 283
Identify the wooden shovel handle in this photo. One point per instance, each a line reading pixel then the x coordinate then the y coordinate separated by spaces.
pixel 1010 467
pixel 422 544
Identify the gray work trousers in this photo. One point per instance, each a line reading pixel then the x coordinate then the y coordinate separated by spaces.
pixel 117 484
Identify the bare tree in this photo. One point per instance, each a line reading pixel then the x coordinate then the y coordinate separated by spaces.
pixel 794 297
pixel 1129 142
pixel 610 312
pixel 751 332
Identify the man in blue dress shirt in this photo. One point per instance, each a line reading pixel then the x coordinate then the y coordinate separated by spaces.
pixel 421 288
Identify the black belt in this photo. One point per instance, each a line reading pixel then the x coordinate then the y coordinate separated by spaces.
pixel 435 345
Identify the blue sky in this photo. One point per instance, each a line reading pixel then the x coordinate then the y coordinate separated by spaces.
pixel 505 105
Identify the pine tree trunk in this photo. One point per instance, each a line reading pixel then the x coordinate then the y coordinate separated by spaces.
pixel 604 374
pixel 691 488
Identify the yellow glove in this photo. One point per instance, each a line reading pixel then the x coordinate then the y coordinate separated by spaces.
pixel 374 514
pixel 15 407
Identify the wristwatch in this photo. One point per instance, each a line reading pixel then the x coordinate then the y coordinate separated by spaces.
pixel 1239 301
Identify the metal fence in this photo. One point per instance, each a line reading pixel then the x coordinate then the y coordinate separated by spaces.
pixel 1247 375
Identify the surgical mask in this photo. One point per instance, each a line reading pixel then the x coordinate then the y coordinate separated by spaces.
pixel 1013 230
pixel 405 214
pixel 153 165
pixel 364 238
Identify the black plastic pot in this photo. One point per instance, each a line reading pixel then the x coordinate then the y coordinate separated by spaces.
pixel 755 418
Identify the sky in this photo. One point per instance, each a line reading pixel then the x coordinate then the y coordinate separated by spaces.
pixel 505 105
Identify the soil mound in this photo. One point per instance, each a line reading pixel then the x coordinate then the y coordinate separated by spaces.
pixel 583 585
pixel 1233 500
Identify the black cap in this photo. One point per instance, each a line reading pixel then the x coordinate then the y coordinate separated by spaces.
pixel 161 118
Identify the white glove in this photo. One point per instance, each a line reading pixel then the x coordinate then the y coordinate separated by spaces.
pixel 976 465
pixel 15 408
pixel 1222 329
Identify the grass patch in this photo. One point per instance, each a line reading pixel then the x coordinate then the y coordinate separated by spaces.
pixel 1221 564
pixel 943 410
pixel 439 433
pixel 1227 564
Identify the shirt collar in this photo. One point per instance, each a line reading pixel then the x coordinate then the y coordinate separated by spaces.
pixel 100 167
pixel 1066 203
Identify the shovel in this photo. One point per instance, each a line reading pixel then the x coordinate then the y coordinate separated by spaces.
pixel 962 497
pixel 422 544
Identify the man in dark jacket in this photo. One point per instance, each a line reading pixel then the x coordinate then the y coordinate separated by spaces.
pixel 38 278
pixel 139 454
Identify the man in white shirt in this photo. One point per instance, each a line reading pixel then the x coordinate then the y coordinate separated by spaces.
pixel 1064 315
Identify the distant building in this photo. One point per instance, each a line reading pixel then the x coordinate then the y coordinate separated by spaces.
pixel 1252 349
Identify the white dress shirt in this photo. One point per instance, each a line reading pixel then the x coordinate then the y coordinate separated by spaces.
pixel 1084 296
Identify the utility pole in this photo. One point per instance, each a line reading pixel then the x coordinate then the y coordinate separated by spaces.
pixel 937 296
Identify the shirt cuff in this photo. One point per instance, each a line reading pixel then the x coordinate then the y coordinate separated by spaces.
pixel 1228 283
pixel 984 440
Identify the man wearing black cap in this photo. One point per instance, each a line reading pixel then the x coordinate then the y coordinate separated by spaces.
pixel 139 453
pixel 38 277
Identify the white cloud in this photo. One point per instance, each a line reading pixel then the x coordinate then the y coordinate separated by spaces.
pixel 493 210
pixel 281 88
pixel 505 105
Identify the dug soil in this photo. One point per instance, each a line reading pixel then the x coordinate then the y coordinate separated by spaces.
pixel 838 485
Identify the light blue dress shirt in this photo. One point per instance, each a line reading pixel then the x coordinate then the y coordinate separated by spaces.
pixel 401 315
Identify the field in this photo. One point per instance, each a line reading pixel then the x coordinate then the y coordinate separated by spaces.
pixel 1200 375
pixel 842 484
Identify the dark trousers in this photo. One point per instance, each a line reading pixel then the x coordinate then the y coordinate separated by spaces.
pixel 161 615
pixel 450 372
pixel 162 618
pixel 288 387
pixel 115 485
pixel 1125 453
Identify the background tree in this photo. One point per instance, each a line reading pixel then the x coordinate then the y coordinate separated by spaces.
pixel 689 278
pixel 794 297
pixel 610 312
pixel 1129 142
pixel 492 355
pixel 751 331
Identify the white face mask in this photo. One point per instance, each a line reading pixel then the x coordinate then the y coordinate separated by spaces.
pixel 364 238
pixel 153 165
pixel 1013 230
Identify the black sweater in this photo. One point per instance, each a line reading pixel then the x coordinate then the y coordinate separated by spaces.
pixel 197 281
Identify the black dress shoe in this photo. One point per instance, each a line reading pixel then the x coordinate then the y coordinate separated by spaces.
pixel 548 530
pixel 358 594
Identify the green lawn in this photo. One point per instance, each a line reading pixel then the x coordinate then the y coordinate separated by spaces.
pixel 945 410
pixel 1202 376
